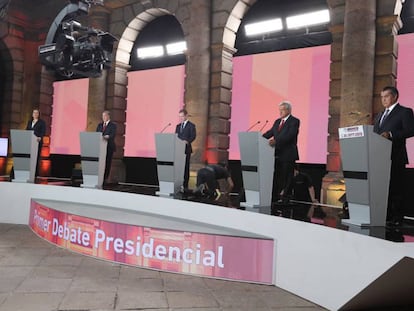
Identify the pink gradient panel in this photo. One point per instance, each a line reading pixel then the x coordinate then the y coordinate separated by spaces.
pixel 69 117
pixel 229 257
pixel 405 81
pixel 154 98
pixel 300 76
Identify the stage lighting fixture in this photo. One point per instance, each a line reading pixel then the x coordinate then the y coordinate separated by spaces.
pixel 75 50
pixel 271 25
pixel 308 19
pixel 176 48
pixel 150 52
pixel 78 50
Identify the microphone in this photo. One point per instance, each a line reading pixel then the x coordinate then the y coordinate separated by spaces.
pixel 165 127
pixel 261 129
pixel 361 119
pixel 258 122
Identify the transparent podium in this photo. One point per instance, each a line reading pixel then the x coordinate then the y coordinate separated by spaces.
pixel 25 148
pixel 366 164
pixel 93 157
pixel 170 163
pixel 257 162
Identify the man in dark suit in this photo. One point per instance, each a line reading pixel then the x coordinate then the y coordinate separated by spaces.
pixel 283 136
pixel 38 126
pixel 395 123
pixel 186 131
pixel 108 129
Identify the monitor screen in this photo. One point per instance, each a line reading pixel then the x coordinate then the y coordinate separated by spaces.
pixel 3 147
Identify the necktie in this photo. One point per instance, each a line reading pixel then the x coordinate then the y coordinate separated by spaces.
pixel 384 116
pixel 281 124
pixel 104 127
pixel 182 126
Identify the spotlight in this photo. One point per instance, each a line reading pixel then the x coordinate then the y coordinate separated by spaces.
pixel 271 25
pixel 176 48
pixel 150 52
pixel 308 19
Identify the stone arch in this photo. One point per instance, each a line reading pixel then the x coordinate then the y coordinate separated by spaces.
pixel 117 77
pixel 223 42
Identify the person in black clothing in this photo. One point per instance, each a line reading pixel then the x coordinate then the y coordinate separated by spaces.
pixel 207 180
pixel 186 131
pixel 301 190
pixel 38 126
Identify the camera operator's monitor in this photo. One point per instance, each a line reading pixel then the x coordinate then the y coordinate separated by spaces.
pixel 3 147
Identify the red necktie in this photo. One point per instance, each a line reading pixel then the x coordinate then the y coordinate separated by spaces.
pixel 281 124
pixel 104 127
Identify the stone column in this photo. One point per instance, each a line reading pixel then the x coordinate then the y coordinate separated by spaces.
pixel 358 60
pixel 197 84
pixel 388 24
pixel 352 80
pixel 220 101
pixel 99 19
pixel 332 185
pixel 116 103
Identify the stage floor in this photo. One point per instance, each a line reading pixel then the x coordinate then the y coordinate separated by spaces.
pixel 322 215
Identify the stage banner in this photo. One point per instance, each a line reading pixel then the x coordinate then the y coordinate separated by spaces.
pixel 211 255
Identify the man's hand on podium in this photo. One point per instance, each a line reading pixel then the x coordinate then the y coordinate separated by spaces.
pixel 387 135
pixel 106 137
pixel 272 142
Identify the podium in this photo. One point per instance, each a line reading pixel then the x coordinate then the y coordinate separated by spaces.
pixel 25 148
pixel 257 162
pixel 366 164
pixel 93 157
pixel 170 163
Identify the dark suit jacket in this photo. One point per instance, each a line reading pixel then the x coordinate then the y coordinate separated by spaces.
pixel 39 129
pixel 286 140
pixel 188 134
pixel 400 122
pixel 111 131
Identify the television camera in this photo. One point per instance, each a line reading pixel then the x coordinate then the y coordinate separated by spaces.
pixel 72 49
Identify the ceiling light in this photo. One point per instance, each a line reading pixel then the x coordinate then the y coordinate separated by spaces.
pixel 271 25
pixel 150 52
pixel 176 48
pixel 308 19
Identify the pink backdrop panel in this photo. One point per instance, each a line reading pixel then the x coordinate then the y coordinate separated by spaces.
pixel 154 98
pixel 69 116
pixel 300 76
pixel 405 81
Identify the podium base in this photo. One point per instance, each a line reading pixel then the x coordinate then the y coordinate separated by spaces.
pixel 355 222
pixel 90 186
pixel 23 181
pixel 256 208
pixel 164 194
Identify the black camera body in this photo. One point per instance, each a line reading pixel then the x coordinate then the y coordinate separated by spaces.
pixel 75 50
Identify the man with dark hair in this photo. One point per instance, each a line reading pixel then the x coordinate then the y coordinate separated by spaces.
pixel 283 136
pixel 395 123
pixel 186 131
pixel 108 129
pixel 207 180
